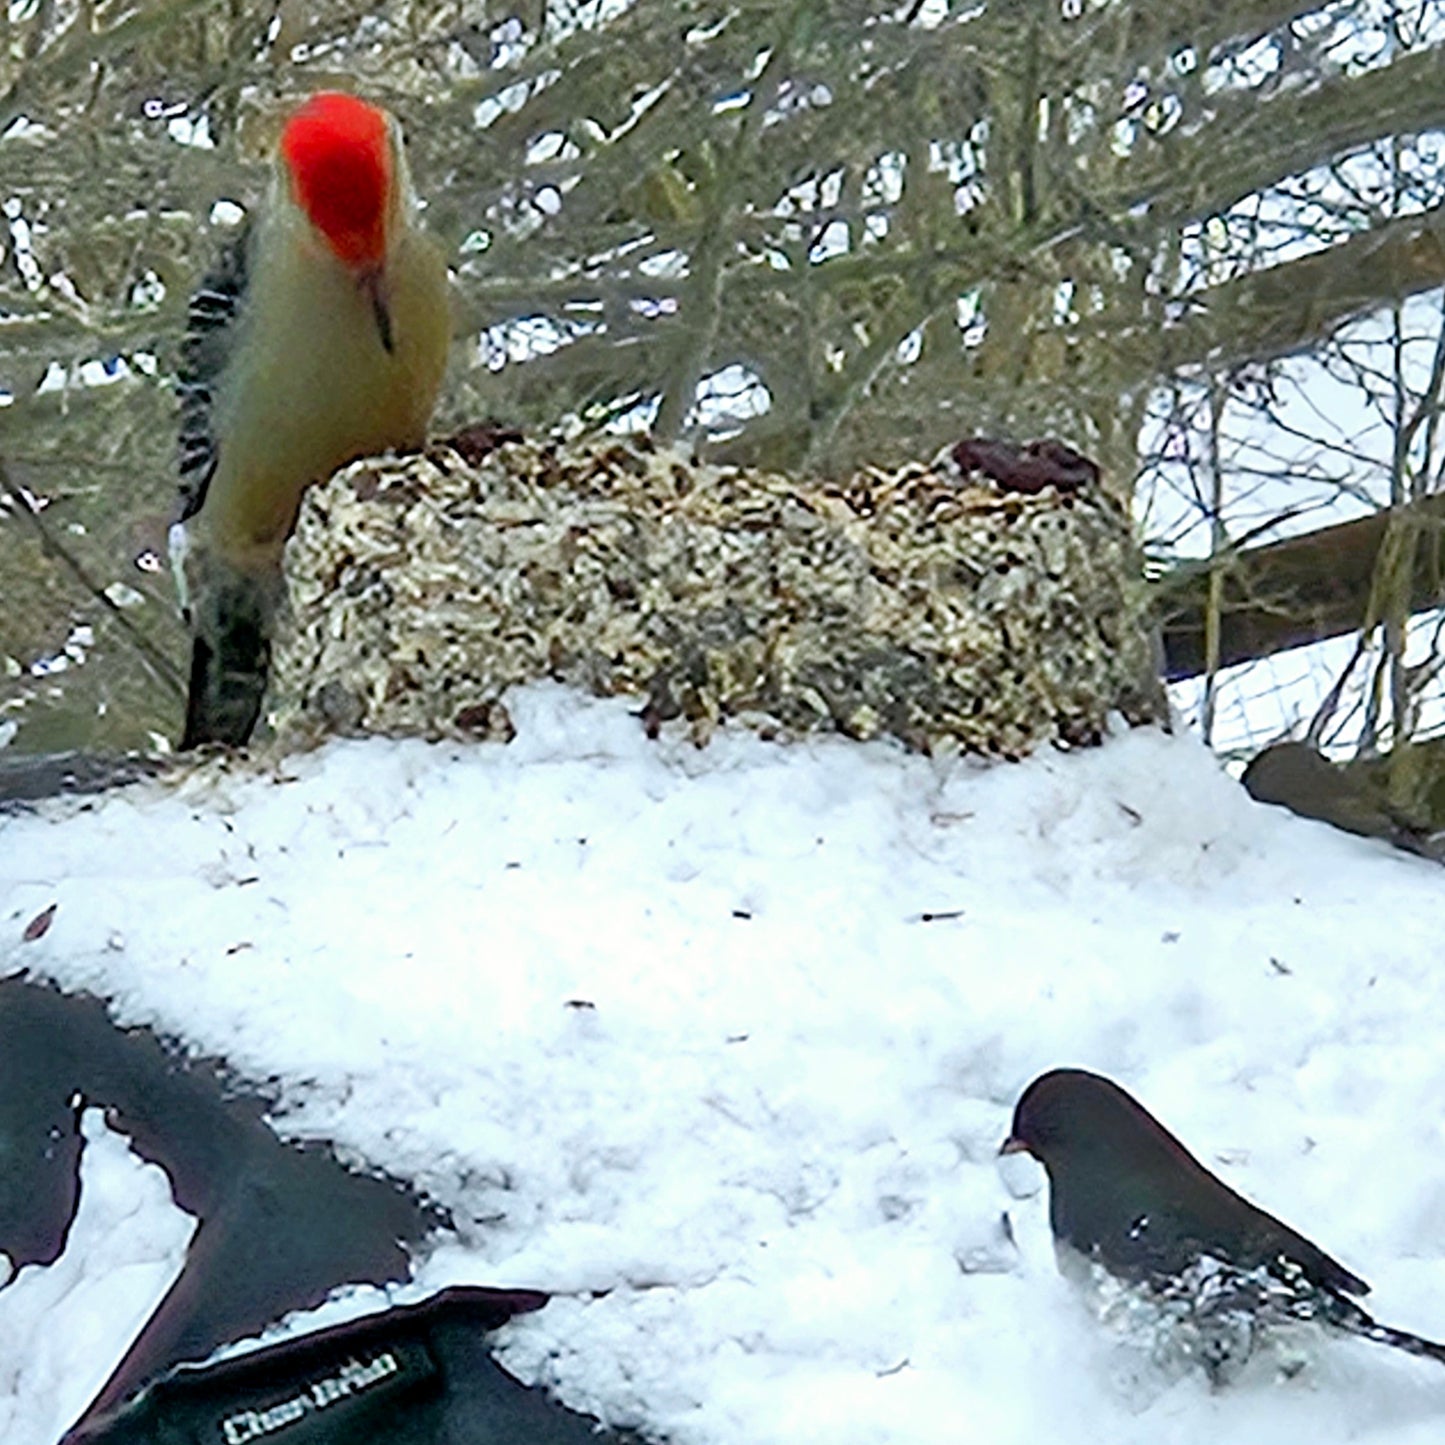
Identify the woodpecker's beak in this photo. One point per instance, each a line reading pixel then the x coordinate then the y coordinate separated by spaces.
pixel 1013 1146
pixel 373 283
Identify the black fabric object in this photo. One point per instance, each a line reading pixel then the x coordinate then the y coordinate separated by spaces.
pixel 413 1375
pixel 280 1226
pixel 1126 1194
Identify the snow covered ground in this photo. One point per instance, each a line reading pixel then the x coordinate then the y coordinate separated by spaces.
pixel 733 1036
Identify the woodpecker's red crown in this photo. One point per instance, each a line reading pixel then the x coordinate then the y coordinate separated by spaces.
pixel 338 152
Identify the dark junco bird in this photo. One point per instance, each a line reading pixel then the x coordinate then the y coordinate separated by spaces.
pixel 1125 1194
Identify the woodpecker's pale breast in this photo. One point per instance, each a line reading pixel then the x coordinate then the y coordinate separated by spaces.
pixel 310 385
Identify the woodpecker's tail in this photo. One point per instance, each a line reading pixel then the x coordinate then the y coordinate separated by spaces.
pixel 230 659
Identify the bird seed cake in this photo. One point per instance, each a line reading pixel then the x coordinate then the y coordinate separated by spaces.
pixel 986 602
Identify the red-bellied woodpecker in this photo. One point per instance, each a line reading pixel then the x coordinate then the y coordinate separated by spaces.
pixel 320 336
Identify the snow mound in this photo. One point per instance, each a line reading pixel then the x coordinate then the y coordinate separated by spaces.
pixel 719 1045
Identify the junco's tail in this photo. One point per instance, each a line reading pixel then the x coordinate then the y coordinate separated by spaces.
pixel 1357 1322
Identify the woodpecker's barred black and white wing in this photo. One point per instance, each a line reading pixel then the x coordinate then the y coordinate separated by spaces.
pixel 230 651
pixel 210 339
